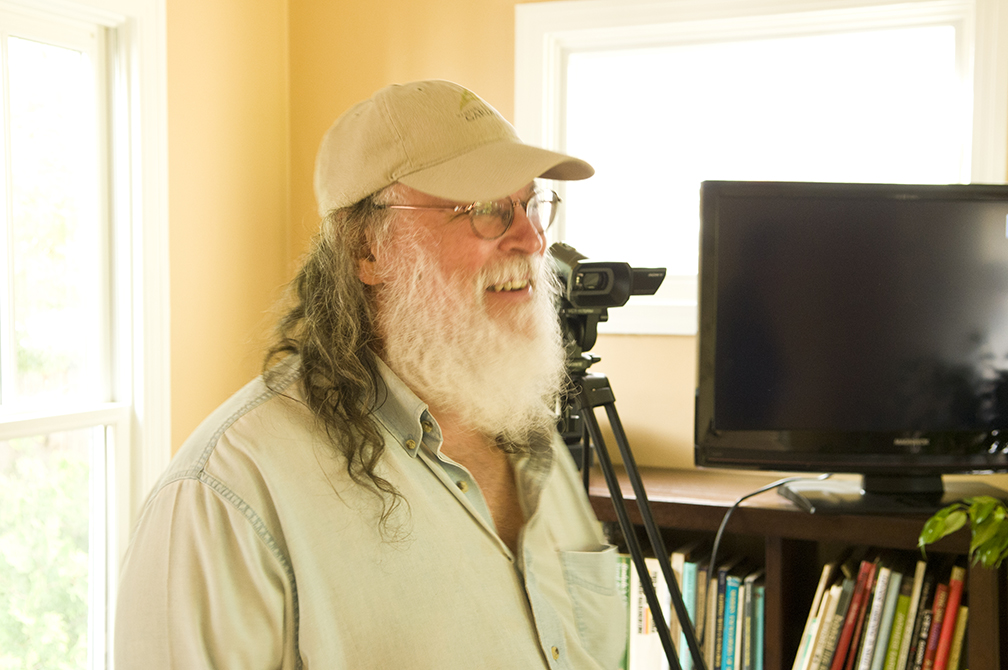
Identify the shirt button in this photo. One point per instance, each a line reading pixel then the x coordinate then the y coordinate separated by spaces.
pixel 556 654
pixel 427 426
pixel 411 444
pixel 463 485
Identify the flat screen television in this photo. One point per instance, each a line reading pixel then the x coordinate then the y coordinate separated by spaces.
pixel 855 328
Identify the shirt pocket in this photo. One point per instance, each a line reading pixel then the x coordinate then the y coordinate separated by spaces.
pixel 599 610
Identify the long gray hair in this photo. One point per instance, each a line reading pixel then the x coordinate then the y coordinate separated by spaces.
pixel 330 326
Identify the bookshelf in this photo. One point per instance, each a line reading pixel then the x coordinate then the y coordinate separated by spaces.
pixel 696 501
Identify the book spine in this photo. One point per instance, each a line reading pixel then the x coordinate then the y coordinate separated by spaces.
pixel 859 625
pixel 745 650
pixel 955 653
pixel 730 622
pixel 737 656
pixel 831 601
pixel 719 620
pixel 924 607
pixel 700 616
pixel 956 585
pixel 803 648
pixel 899 624
pixel 847 632
pixel 925 629
pixel 677 562
pixel 646 650
pixel 911 618
pixel 888 617
pixel 847 591
pixel 937 617
pixel 689 596
pixel 873 621
pixel 759 613
pixel 711 621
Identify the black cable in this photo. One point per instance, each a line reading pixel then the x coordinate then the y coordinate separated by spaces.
pixel 724 524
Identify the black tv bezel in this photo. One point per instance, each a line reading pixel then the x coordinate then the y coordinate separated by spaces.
pixel 856 452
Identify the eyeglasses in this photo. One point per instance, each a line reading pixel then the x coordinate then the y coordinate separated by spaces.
pixel 490 220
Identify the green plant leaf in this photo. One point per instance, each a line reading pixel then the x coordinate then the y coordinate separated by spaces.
pixel 983 532
pixel 945 521
pixel 982 507
pixel 993 551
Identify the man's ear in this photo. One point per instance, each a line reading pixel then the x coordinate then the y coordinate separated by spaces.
pixel 367 270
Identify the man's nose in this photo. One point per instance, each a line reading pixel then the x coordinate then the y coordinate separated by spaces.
pixel 523 234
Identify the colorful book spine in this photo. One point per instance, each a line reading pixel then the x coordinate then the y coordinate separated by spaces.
pixel 720 600
pixel 903 657
pixel 850 621
pixel 733 584
pixel 937 618
pixel 899 622
pixel 955 653
pixel 759 615
pixel 749 586
pixel 956 585
pixel 858 623
pixel 922 623
pixel 882 639
pixel 833 635
pixel 873 620
pixel 828 614
pixel 692 599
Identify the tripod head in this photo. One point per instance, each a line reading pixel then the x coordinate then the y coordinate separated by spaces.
pixel 588 290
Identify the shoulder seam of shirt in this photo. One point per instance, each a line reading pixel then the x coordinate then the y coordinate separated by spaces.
pixel 263 533
pixel 288 376
pixel 199 473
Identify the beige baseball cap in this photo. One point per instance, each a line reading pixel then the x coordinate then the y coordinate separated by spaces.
pixel 436 137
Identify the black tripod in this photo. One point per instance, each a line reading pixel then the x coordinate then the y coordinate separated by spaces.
pixel 591 391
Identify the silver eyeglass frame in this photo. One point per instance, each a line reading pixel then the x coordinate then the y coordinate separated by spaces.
pixel 494 208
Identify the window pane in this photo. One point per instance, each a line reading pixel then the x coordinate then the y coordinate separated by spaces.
pixel 44 550
pixel 879 105
pixel 57 316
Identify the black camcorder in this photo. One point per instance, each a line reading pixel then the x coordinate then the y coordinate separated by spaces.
pixel 590 284
pixel 589 288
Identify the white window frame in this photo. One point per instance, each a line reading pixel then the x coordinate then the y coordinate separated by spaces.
pixel 547 33
pixel 138 418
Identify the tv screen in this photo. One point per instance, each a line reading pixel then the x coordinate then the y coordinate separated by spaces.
pixel 854 328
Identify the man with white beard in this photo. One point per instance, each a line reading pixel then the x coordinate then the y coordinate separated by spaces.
pixel 392 492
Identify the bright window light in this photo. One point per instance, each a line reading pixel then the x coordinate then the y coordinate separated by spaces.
pixel 881 105
pixel 56 319
pixel 866 106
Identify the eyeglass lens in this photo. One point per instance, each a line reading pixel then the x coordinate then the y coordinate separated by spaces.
pixel 491 220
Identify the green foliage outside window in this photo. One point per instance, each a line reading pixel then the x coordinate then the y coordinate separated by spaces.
pixel 43 555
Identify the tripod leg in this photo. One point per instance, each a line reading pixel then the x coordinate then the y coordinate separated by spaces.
pixel 631 538
pixel 595 391
pixel 586 460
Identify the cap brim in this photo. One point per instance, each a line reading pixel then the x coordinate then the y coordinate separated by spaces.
pixel 495 170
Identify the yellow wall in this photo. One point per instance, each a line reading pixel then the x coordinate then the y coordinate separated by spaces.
pixel 252 88
pixel 228 156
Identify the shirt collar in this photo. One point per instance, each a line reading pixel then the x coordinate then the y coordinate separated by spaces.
pixel 402 413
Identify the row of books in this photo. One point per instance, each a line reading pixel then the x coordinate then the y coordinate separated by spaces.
pixel 877 610
pixel 728 604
